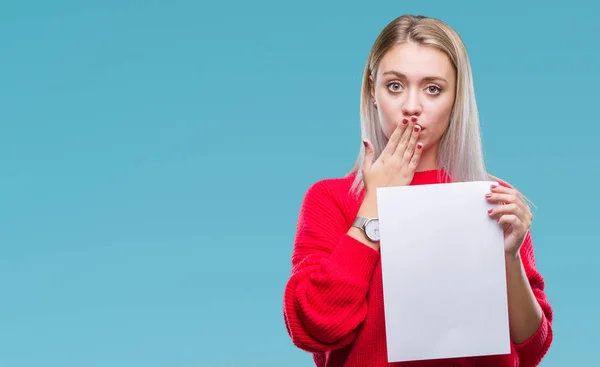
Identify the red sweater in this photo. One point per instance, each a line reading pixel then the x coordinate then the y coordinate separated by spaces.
pixel 333 301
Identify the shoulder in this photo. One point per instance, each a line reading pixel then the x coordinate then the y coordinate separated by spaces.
pixel 332 195
pixel 331 198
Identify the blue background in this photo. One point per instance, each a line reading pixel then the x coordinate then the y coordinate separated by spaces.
pixel 153 156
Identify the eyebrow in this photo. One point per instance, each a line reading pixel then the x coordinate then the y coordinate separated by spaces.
pixel 427 78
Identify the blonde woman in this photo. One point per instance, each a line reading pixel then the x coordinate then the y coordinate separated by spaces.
pixel 420 126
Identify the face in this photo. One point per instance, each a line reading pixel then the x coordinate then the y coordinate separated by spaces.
pixel 415 80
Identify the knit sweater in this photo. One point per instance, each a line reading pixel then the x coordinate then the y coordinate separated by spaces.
pixel 333 300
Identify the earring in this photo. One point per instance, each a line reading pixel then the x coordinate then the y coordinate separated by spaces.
pixel 375 103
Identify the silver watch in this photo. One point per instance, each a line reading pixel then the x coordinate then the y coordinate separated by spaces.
pixel 370 226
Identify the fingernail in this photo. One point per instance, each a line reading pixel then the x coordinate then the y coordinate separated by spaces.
pixel 413 119
pixel 405 121
pixel 488 195
pixel 494 186
pixel 490 211
pixel 419 146
pixel 365 143
pixel 417 128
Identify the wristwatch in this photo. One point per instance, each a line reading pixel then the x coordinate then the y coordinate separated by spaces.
pixel 370 227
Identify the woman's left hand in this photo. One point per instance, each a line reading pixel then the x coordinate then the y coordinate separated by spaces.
pixel 514 216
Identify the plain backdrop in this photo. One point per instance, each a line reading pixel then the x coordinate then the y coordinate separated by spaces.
pixel 154 154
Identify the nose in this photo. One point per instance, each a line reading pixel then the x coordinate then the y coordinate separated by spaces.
pixel 412 104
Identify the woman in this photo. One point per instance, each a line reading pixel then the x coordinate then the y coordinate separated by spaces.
pixel 420 126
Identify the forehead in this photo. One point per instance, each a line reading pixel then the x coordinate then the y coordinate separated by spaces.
pixel 415 60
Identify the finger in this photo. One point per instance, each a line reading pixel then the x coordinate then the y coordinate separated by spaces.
pixel 510 220
pixel 501 198
pixel 506 190
pixel 512 209
pixel 401 146
pixel 414 161
pixel 369 152
pixel 403 143
pixel 411 145
pixel 519 198
pixel 395 138
pixel 507 195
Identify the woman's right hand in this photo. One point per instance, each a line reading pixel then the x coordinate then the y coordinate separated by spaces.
pixel 397 163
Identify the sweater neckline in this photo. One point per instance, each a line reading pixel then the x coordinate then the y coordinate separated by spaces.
pixel 430 176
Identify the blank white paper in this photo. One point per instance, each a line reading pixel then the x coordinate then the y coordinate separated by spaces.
pixel 444 275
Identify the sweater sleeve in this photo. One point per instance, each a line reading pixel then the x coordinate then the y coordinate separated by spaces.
pixel 535 348
pixel 325 296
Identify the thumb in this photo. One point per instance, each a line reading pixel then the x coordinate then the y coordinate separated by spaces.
pixel 368 154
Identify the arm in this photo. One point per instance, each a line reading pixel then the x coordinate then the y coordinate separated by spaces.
pixel 325 297
pixel 530 314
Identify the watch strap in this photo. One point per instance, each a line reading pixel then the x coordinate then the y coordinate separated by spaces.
pixel 360 222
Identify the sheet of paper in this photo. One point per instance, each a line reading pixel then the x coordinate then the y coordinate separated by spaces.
pixel 444 276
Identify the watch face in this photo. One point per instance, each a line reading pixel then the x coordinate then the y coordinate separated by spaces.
pixel 372 230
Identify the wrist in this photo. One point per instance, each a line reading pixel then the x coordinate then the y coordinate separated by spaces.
pixel 513 260
pixel 368 208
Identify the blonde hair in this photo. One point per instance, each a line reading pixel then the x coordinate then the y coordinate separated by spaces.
pixel 460 152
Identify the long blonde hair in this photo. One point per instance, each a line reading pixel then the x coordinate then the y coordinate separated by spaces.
pixel 460 152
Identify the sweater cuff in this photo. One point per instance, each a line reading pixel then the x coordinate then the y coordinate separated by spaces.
pixel 355 257
pixel 535 344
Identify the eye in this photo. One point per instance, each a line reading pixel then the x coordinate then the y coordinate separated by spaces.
pixel 434 89
pixel 394 86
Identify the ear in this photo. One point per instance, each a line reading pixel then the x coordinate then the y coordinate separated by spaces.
pixel 372 86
